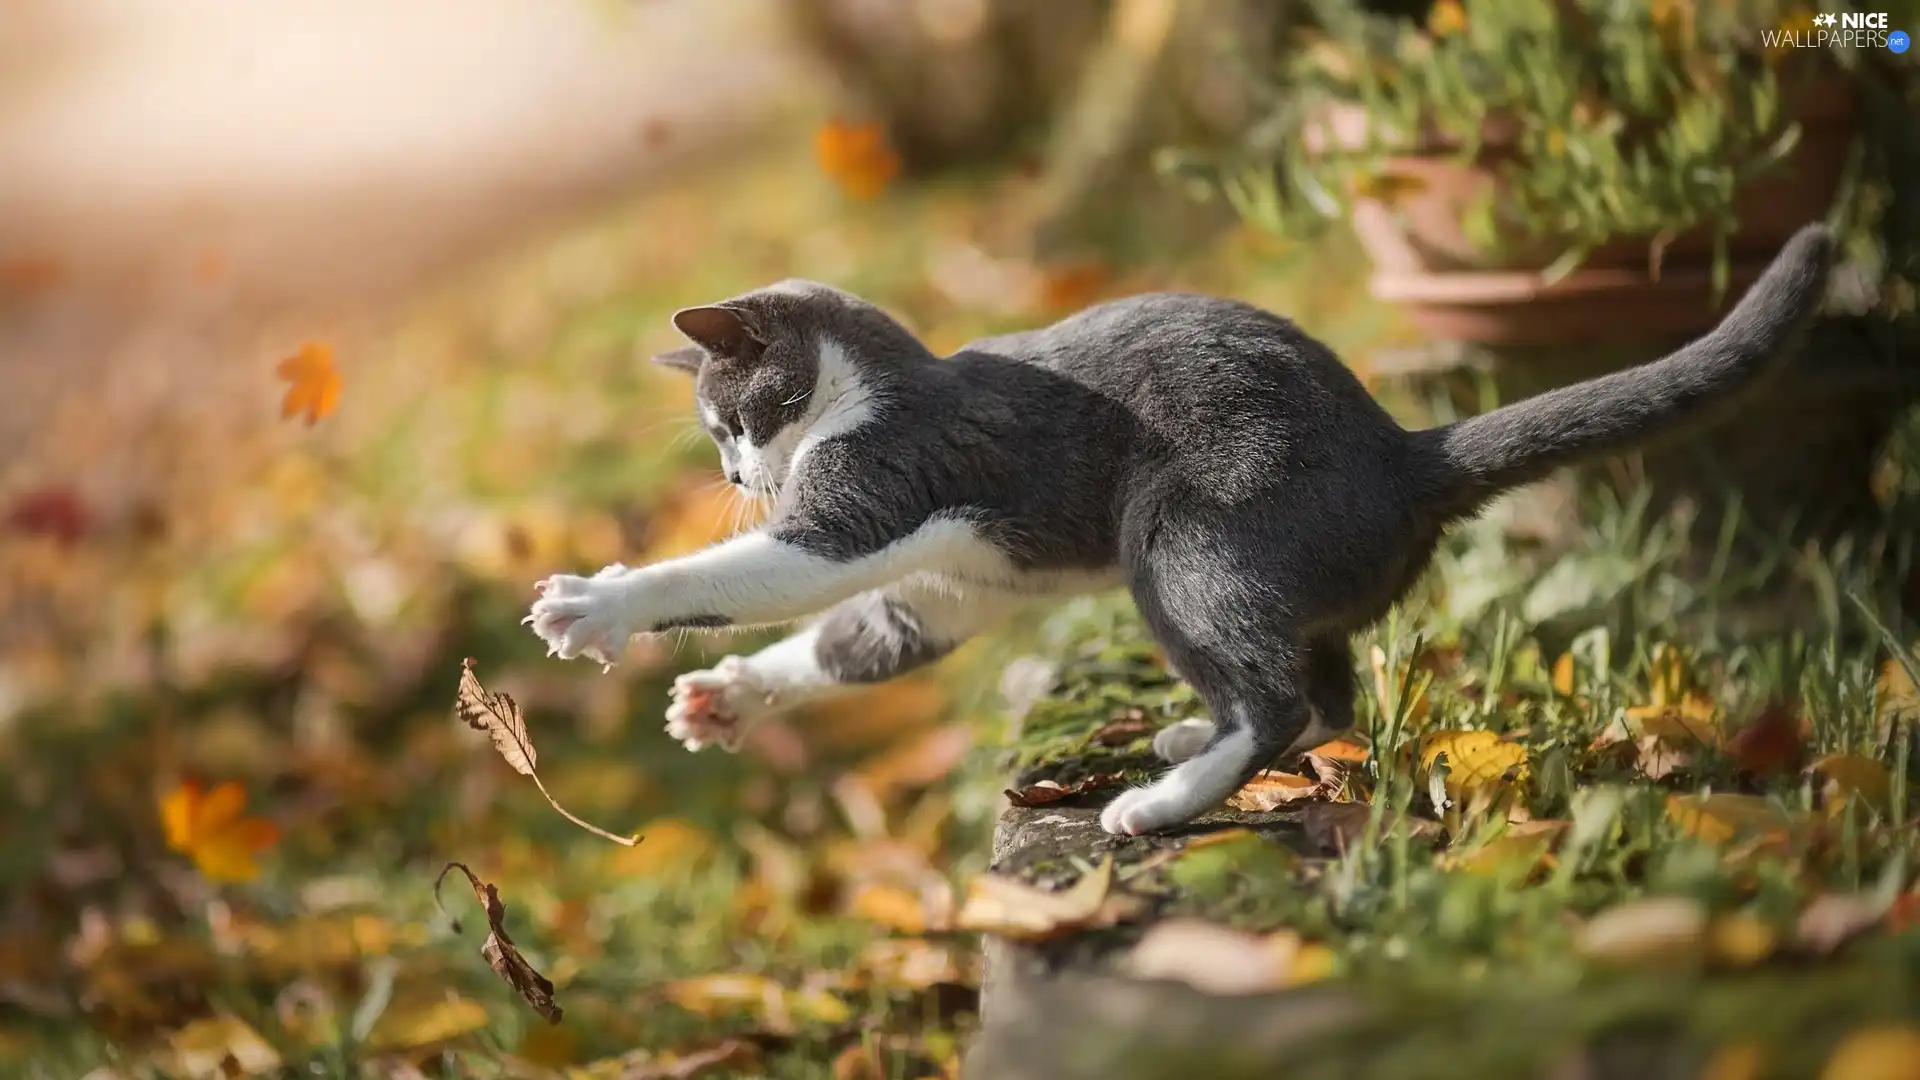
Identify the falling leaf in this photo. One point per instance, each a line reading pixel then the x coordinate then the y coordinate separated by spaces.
pixel 1010 908
pixel 313 383
pixel 1270 789
pixel 1853 776
pixel 497 714
pixel 1220 960
pixel 1721 817
pixel 499 950
pixel 1878 1053
pixel 856 156
pixel 1833 919
pixel 1658 929
pixel 207 826
pixel 1046 792
pixel 1476 760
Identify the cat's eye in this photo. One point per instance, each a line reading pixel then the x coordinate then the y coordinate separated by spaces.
pixel 734 427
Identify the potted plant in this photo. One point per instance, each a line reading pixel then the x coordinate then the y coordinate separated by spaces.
pixel 1572 186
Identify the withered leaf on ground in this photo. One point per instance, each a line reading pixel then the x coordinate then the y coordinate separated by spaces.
pixel 496 713
pixel 1048 791
pixel 1011 908
pixel 501 953
pixel 733 1057
pixel 1271 789
pixel 1124 729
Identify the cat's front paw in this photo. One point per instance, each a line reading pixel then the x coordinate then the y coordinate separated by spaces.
pixel 716 707
pixel 579 616
pixel 1136 812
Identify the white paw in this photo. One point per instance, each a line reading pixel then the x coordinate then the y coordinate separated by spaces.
pixel 578 616
pixel 1137 811
pixel 1182 740
pixel 717 706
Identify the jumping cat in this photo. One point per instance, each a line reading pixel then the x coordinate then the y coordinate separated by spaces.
pixel 1211 457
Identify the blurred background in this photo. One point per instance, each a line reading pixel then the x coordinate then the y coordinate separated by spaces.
pixel 324 329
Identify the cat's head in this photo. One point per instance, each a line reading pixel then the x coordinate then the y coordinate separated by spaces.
pixel 774 365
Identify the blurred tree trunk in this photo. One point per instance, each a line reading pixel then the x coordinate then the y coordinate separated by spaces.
pixel 954 82
pixel 1165 72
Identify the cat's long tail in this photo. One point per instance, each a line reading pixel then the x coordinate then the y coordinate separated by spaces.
pixel 1476 459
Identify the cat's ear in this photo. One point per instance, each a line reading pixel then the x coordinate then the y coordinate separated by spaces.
pixel 687 358
pixel 719 330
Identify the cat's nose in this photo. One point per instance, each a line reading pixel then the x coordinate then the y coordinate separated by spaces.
pixel 733 477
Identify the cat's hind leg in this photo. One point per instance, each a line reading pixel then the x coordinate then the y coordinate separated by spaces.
pixel 1230 636
pixel 1330 689
pixel 871 638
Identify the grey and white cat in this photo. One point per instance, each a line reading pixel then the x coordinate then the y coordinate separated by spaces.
pixel 1214 459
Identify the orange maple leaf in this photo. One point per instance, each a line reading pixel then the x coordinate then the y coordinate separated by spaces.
pixel 856 156
pixel 314 384
pixel 207 826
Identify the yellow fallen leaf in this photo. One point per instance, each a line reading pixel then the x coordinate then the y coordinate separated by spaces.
pixel 1853 776
pixel 1654 930
pixel 1527 846
pixel 1446 18
pixel 1878 1053
pixel 203 1048
pixel 1222 960
pixel 1563 675
pixel 891 907
pixel 1895 694
pixel 313 383
pixel 207 826
pixel 1719 818
pixel 408 1025
pixel 1744 1060
pixel 1741 939
pixel 1010 908
pixel 672 846
pixel 1693 718
pixel 1476 760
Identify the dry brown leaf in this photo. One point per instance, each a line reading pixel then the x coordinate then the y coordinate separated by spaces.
pixel 1771 744
pixel 1010 908
pixel 1657 929
pixel 1126 729
pixel 497 714
pixel 1221 960
pixel 501 954
pixel 1270 789
pixel 1333 827
pixel 1047 792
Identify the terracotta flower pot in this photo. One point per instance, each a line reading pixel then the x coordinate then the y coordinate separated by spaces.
pixel 1454 290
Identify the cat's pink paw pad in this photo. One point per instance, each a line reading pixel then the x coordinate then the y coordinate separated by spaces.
pixel 715 707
